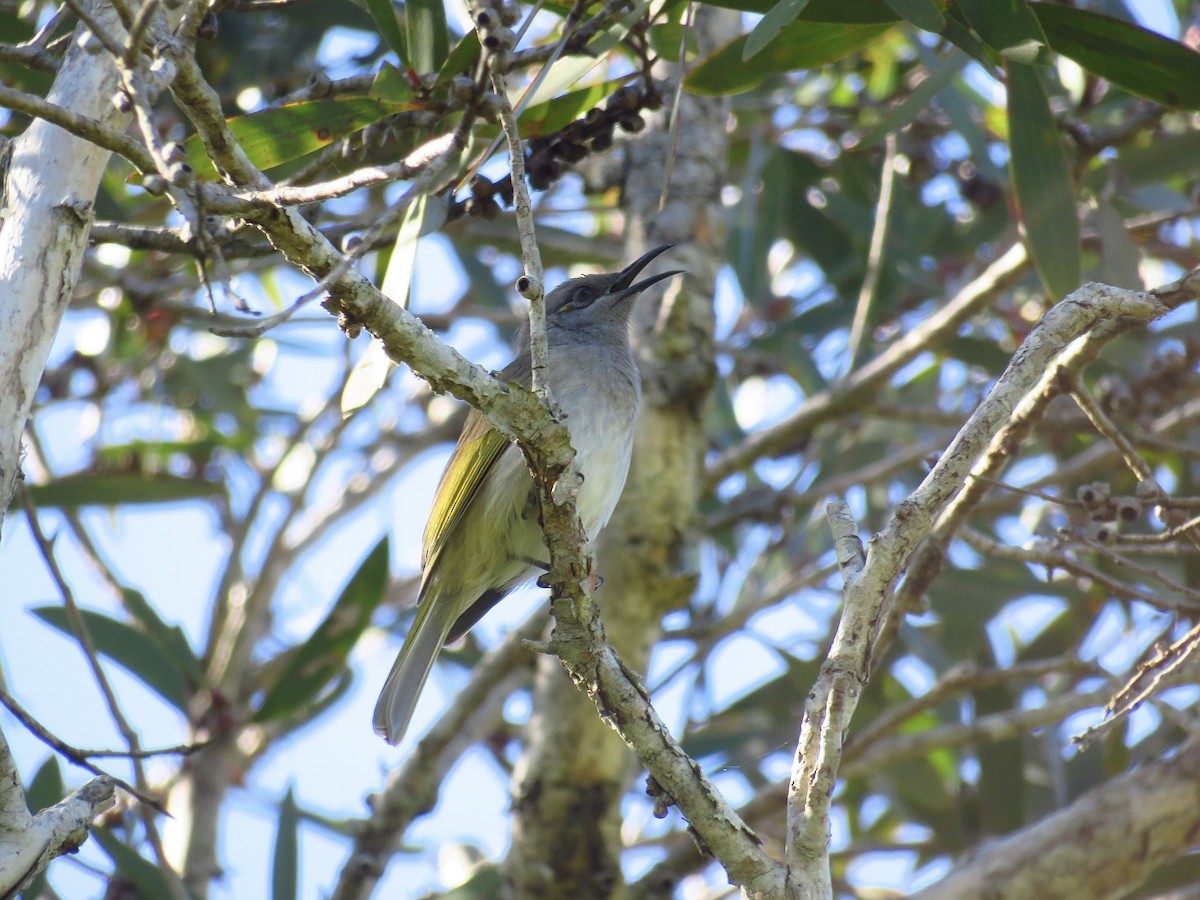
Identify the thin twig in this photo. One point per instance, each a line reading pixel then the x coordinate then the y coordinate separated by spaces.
pixel 676 106
pixel 80 756
pixel 1103 424
pixel 108 42
pixel 1146 681
pixel 532 284
pixel 82 126
pixel 866 293
pixel 1044 553
pixel 82 633
pixel 137 31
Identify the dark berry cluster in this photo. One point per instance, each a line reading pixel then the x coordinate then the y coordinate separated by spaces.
pixel 547 157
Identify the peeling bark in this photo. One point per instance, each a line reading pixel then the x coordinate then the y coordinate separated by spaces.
pixel 48 193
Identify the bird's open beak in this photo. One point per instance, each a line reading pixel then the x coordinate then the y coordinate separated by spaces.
pixel 624 286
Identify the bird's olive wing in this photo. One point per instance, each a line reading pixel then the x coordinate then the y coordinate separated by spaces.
pixel 478 448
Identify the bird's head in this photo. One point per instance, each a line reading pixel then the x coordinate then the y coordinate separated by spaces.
pixel 593 300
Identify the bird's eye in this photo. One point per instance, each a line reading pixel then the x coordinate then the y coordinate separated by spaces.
pixel 582 296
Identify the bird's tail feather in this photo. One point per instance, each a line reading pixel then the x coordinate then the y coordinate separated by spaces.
pixel 399 696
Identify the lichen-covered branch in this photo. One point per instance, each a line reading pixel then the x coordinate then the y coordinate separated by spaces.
pixel 1101 846
pixel 29 842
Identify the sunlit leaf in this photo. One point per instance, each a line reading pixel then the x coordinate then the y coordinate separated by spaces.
pixel 371 370
pixel 1042 181
pixel 391 85
pixel 1135 58
pixel 397 282
pixel 549 117
pixel 801 45
pixel 130 648
pixel 367 377
pixel 461 58
pixel 283 133
pixel 568 70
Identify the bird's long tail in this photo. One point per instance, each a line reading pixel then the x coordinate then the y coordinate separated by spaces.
pixel 399 696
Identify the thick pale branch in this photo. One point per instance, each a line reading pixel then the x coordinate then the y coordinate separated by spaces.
pixel 835 695
pixel 29 842
pixel 1021 419
pixel 827 712
pixel 1100 846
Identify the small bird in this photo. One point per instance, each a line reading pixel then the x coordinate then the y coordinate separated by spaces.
pixel 483 537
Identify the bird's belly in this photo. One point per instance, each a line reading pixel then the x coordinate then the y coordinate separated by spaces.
pixel 603 443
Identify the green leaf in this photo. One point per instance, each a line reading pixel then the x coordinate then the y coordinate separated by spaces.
pixel 925 14
pixel 370 372
pixel 461 58
pixel 428 39
pixel 782 13
pixel 1042 182
pixel 1119 256
pixel 958 34
pixel 46 787
pixel 170 638
pixel 366 378
pixel 667 39
pixel 285 881
pixel 397 281
pixel 568 70
pixel 384 14
pixel 549 117
pixel 844 12
pixel 1164 158
pixel 974 351
pixel 1009 27
pixel 391 85
pixel 801 45
pixel 145 877
pixel 131 649
pixel 119 489
pixel 1142 62
pixel 281 134
pixel 307 668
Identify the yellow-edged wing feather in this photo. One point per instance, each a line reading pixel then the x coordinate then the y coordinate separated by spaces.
pixel 478 448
